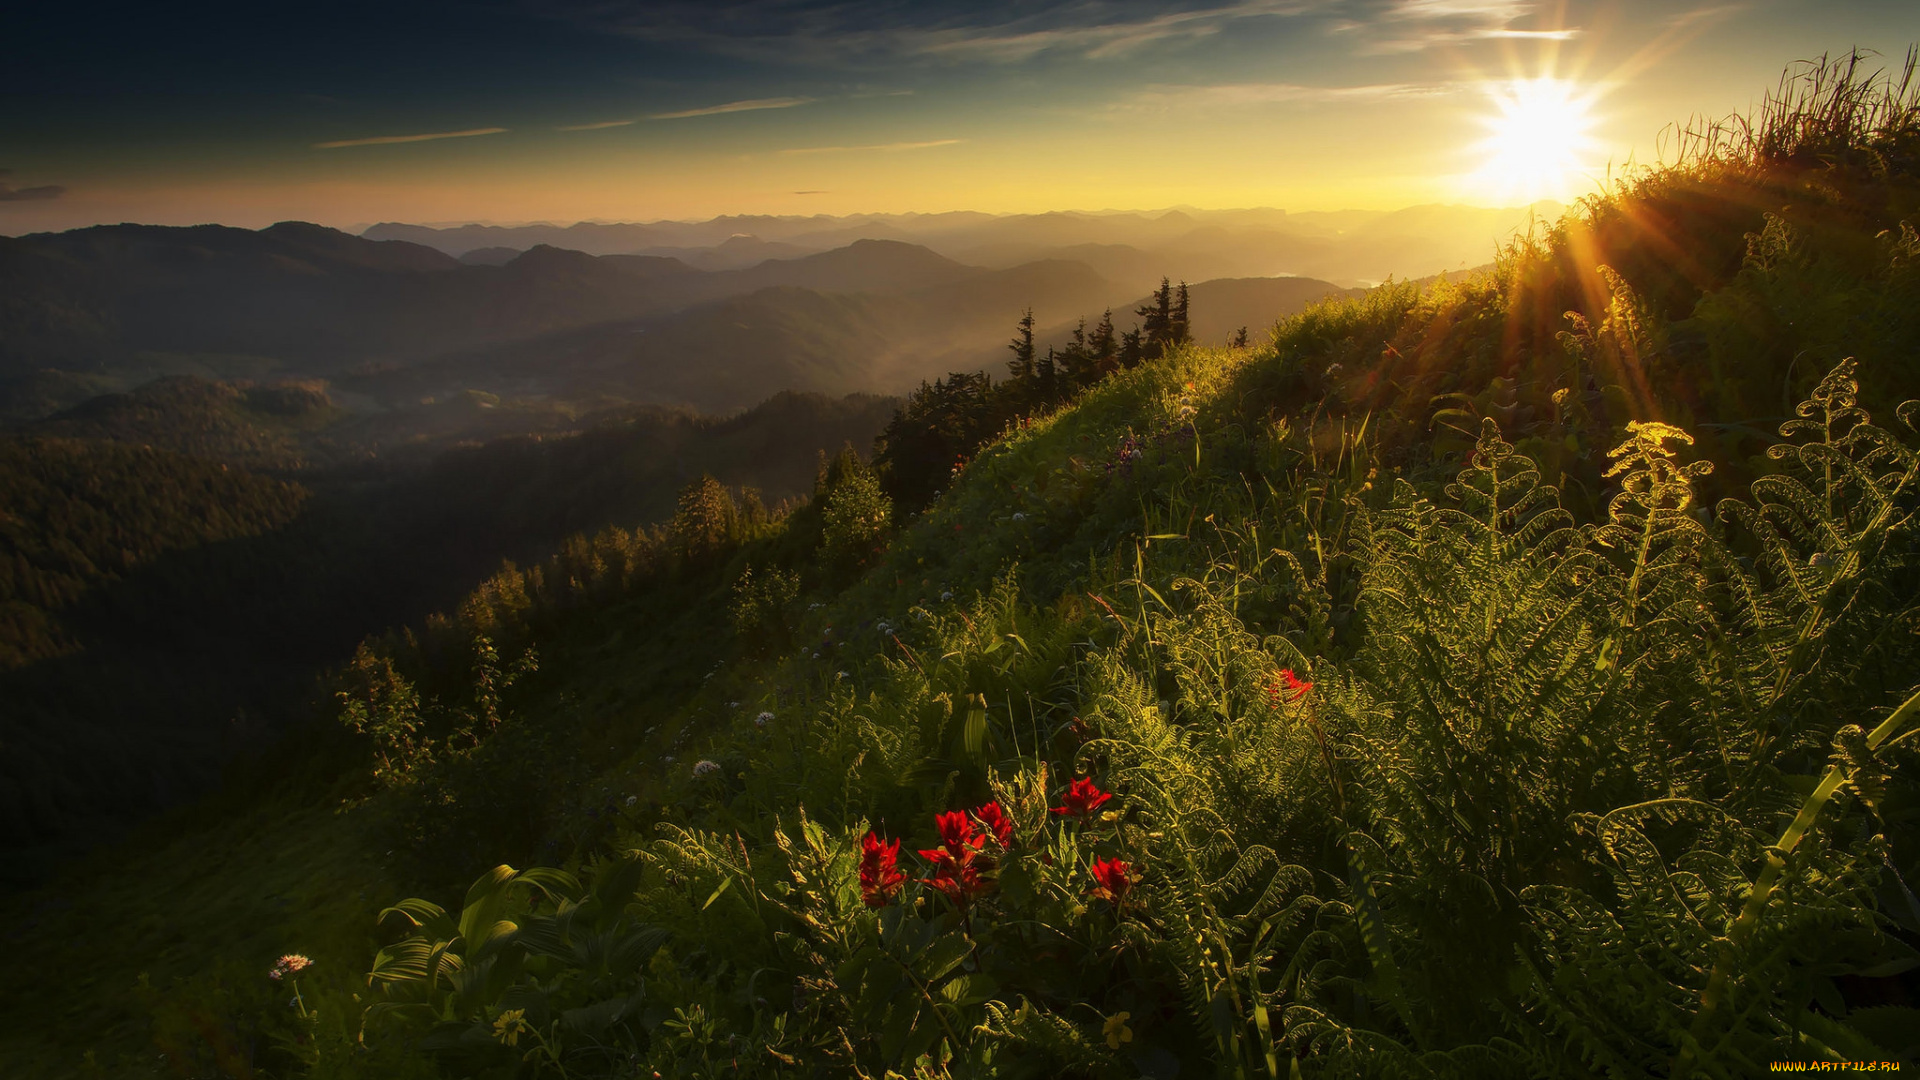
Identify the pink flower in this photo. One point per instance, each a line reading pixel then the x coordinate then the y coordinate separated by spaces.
pixel 289 965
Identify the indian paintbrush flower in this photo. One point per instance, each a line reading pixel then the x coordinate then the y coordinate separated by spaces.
pixel 1287 688
pixel 1112 879
pixel 1083 797
pixel 958 840
pixel 880 875
pixel 998 824
pixel 954 870
pixel 960 881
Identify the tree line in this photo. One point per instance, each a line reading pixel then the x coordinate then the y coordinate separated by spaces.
pixel 943 423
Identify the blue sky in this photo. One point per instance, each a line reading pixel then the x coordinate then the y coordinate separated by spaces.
pixel 348 113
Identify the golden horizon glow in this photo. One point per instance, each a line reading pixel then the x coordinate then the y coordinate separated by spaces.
pixel 1538 141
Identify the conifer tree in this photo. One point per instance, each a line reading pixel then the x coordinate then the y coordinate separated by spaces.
pixel 1022 347
pixel 1103 347
pixel 1074 360
pixel 1157 321
pixel 707 520
pixel 1179 331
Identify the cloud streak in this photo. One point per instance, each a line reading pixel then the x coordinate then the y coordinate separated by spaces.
pixel 388 140
pixel 734 107
pixel 1419 25
pixel 9 193
pixel 984 32
pixel 882 147
pixel 1174 97
pixel 601 126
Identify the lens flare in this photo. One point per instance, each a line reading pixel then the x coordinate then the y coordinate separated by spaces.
pixel 1538 144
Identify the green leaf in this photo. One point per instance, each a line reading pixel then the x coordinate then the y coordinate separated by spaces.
pixel 902 1014
pixel 725 884
pixel 945 955
pixel 481 915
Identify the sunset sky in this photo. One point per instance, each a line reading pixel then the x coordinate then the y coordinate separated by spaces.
pixel 351 113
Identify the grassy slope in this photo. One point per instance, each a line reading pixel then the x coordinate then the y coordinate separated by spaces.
pixel 1081 527
pixel 1244 454
pixel 197 906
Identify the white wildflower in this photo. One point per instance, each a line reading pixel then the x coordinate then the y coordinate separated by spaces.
pixel 704 767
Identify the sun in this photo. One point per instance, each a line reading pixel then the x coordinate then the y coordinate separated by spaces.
pixel 1538 141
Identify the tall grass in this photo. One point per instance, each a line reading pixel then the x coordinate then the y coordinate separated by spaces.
pixel 1831 111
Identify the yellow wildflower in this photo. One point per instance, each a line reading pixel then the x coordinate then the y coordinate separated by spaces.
pixel 508 1026
pixel 1117 1031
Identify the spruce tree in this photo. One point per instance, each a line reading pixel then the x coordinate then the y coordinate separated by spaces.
pixel 1157 316
pixel 1102 348
pixel 1074 360
pixel 1179 331
pixel 1022 347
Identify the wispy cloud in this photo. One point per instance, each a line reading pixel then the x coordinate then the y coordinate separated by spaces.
pixel 1702 15
pixel 9 193
pixel 1227 95
pixel 1104 39
pixel 734 107
pixel 888 147
pixel 853 32
pixel 385 140
pixel 601 126
pixel 1418 25
pixel 814 191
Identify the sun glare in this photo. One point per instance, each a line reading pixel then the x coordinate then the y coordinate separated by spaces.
pixel 1537 142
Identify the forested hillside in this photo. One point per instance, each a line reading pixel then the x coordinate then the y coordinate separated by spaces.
pixel 164 612
pixel 1507 677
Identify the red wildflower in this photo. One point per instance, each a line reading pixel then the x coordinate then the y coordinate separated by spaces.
pixel 1287 688
pixel 997 822
pixel 880 875
pixel 1083 797
pixel 1112 878
pixel 958 839
pixel 960 881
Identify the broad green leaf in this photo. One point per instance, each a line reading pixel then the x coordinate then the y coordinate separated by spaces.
pixel 945 955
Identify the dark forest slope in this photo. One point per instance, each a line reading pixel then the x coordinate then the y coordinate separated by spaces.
pixel 163 611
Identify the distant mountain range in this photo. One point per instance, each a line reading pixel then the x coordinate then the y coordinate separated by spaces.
pixel 1351 247
pixel 405 324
